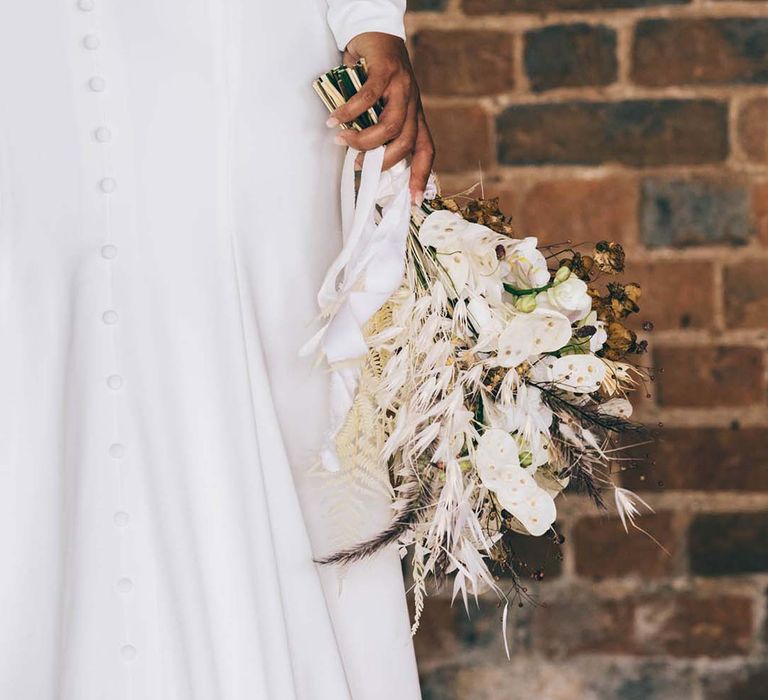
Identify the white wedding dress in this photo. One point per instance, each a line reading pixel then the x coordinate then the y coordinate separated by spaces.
pixel 168 206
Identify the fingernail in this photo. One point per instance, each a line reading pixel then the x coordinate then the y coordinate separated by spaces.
pixel 332 122
pixel 339 140
pixel 418 198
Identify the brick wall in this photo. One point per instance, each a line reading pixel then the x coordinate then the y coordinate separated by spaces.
pixel 646 122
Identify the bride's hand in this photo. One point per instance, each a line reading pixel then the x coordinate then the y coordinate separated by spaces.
pixel 402 125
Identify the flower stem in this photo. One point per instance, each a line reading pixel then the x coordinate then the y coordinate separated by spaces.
pixel 524 292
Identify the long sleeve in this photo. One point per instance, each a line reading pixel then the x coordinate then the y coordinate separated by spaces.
pixel 348 18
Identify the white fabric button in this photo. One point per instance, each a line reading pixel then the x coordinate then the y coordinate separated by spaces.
pixel 91 41
pixel 114 381
pixel 128 652
pixel 124 585
pixel 117 450
pixel 107 185
pixel 97 83
pixel 102 134
pixel 85 5
pixel 109 251
pixel 109 317
pixel 121 518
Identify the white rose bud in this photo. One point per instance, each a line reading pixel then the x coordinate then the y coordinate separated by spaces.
pixel 569 298
pixel 562 274
pixel 525 303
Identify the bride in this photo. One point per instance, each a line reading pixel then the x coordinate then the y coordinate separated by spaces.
pixel 168 206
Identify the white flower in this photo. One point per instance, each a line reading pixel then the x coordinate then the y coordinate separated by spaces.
pixel 530 419
pixel 620 408
pixel 498 464
pixel 580 374
pixel 598 338
pixel 431 190
pixel 466 251
pixel 528 267
pixel 569 297
pixel 526 334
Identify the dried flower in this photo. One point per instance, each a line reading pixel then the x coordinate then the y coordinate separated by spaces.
pixel 609 257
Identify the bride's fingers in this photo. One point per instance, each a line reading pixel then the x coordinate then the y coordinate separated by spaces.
pixel 421 163
pixel 360 102
pixel 390 125
pixel 404 144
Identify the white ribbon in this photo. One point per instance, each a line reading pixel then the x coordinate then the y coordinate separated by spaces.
pixel 364 275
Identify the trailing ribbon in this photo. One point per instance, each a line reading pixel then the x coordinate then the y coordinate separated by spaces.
pixel 367 271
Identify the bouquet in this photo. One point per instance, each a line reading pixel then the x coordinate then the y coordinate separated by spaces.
pixel 490 375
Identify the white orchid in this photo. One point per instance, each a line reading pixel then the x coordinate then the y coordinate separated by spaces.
pixel 527 266
pixel 578 374
pixel 534 333
pixel 498 464
pixel 466 251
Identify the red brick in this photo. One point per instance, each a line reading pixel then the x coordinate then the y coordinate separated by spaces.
pixel 533 558
pixel 446 629
pixel 632 132
pixel 581 210
pixel 700 51
pixel 685 626
pixel 676 293
pixel 741 683
pixel 746 294
pixel 728 544
pixel 570 55
pixel 462 137
pixel 479 7
pixel 464 62
pixel 702 459
pixel 604 550
pixel 593 626
pixel 752 129
pixel 759 196
pixel 695 211
pixel 709 376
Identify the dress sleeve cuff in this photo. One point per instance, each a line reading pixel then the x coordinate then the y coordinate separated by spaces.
pixel 348 18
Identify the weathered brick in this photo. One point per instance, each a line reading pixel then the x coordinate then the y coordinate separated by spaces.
pixel 464 62
pixel 479 7
pixel 604 550
pixel 426 5
pixel 676 293
pixel 439 684
pixel 702 459
pixel 752 129
pixel 653 680
pixel 633 132
pixel 534 557
pixel 746 294
pixel 570 55
pixel 462 136
pixel 709 376
pixel 759 210
pixel 446 629
pixel 594 626
pixel 581 210
pixel 744 683
pixel 535 678
pixel 724 544
pixel 700 51
pixel 683 625
pixel 680 212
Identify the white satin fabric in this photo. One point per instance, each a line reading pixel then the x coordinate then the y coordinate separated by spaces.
pixel 367 272
pixel 168 206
